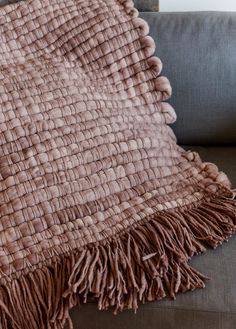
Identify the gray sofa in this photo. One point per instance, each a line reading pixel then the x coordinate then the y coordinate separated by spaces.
pixel 198 51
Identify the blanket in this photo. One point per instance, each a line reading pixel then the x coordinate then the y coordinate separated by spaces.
pixel 97 200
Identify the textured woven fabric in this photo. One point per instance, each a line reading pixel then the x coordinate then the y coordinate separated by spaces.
pixel 96 198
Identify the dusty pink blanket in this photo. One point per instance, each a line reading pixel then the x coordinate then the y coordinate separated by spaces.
pixel 96 198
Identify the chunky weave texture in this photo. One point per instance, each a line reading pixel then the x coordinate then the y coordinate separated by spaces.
pixel 96 198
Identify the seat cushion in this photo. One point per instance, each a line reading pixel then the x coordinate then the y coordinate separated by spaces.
pixel 211 308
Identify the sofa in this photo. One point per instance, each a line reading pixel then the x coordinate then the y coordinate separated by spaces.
pixel 198 51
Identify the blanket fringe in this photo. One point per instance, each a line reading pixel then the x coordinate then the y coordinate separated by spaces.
pixel 146 263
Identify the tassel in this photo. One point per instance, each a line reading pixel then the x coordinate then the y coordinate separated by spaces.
pixel 146 263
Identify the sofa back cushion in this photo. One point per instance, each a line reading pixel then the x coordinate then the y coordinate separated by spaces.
pixel 198 51
pixel 147 5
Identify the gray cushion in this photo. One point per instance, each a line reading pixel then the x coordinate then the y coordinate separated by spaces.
pixel 147 5
pixel 211 308
pixel 152 318
pixel 198 52
pixel 6 2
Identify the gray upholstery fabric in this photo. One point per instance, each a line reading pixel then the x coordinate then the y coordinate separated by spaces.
pixel 5 2
pixel 147 5
pixel 198 51
pixel 210 308
pixel 152 318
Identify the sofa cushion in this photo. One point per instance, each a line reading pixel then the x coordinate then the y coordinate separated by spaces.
pixel 152 318
pixel 198 54
pixel 210 308
pixel 147 5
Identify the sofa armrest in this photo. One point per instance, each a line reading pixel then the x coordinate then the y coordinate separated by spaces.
pixel 198 51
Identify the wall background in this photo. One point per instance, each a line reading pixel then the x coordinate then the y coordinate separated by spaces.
pixel 197 5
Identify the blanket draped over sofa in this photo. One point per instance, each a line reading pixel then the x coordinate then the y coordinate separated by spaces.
pixel 97 200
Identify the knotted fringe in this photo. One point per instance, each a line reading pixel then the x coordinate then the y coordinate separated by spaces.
pixel 146 263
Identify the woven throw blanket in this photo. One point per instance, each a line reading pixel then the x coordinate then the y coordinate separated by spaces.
pixel 97 200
